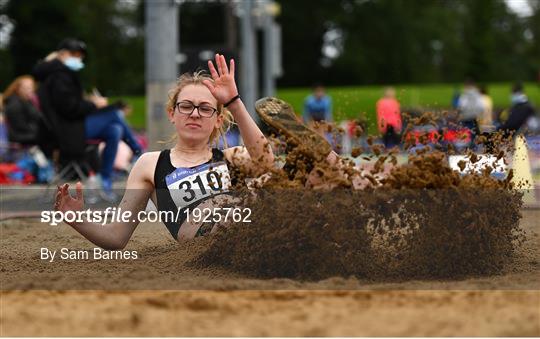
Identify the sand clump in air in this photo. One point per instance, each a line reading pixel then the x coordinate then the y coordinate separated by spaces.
pixel 421 219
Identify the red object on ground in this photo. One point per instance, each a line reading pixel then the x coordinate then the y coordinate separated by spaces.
pixel 457 135
pixel 10 170
pixel 454 136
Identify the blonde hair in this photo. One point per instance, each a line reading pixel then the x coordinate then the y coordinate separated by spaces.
pixel 14 86
pixel 51 56
pixel 197 78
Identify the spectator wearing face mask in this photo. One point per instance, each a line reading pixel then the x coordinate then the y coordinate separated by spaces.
pixel 72 119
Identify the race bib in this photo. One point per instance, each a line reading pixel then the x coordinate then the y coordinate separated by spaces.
pixel 190 185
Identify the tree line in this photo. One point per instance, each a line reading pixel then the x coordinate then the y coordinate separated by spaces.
pixel 336 42
pixel 400 41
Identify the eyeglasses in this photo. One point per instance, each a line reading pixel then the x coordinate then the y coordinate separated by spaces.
pixel 186 107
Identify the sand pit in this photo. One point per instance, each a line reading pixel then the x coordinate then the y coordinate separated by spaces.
pixel 169 296
pixel 257 313
pixel 445 255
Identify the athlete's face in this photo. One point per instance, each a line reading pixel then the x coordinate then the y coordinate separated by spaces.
pixel 197 125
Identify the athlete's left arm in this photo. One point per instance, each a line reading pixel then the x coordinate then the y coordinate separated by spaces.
pixel 259 155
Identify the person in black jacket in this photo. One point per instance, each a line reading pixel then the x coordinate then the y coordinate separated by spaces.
pixel 71 118
pixel 520 111
pixel 22 114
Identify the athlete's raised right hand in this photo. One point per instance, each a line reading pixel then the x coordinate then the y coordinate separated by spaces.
pixel 65 202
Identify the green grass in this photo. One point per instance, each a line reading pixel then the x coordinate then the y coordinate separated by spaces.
pixel 354 102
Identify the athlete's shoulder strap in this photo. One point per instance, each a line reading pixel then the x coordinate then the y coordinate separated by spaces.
pixel 163 168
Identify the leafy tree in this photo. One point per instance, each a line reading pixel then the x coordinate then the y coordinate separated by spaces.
pixel 389 41
pixel 533 27
pixel 303 24
pixel 115 60
pixel 384 41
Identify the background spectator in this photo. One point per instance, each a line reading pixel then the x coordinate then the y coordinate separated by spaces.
pixel 318 106
pixel 75 119
pixel 389 118
pixel 21 110
pixel 470 107
pixel 486 119
pixel 520 110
